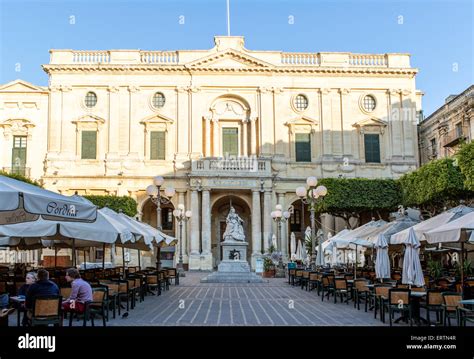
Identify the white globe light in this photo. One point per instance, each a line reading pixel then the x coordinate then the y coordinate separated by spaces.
pixel 278 207
pixel 286 214
pixel 301 192
pixel 151 190
pixel 311 181
pixel 322 190
pixel 181 207
pixel 278 213
pixel 176 213
pixel 273 214
pixel 189 214
pixel 158 181
pixel 169 192
pixel 314 193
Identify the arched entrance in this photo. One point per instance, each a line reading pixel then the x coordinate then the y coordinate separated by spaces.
pixel 220 210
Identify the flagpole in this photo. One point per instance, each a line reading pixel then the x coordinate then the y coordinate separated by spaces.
pixel 228 18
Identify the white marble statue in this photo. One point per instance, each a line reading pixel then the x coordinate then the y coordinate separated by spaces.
pixel 234 230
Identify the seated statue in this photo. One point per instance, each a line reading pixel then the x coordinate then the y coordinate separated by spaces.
pixel 234 230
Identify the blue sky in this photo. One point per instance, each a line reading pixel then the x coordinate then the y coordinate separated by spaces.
pixel 438 34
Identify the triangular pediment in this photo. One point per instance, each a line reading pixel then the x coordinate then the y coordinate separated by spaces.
pixel 302 120
pixel 229 59
pixel 370 122
pixel 156 118
pixel 21 86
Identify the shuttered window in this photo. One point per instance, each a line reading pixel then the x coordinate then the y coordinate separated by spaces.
pixel 157 145
pixel 230 141
pixel 372 148
pixel 19 155
pixel 89 145
pixel 303 147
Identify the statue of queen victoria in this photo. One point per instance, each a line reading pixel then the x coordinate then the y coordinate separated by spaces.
pixel 234 230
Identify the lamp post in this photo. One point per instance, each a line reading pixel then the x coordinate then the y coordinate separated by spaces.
pixel 280 216
pixel 181 216
pixel 309 195
pixel 154 192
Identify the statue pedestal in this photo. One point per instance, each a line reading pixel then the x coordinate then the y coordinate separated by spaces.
pixel 234 267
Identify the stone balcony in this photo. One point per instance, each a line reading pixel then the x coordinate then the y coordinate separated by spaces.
pixel 231 167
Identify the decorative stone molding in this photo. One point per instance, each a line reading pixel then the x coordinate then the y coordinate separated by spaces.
pixel 133 89
pixel 157 122
pixel 17 127
pixel 89 122
pixel 371 125
pixel 113 89
pixel 325 91
pixel 344 91
pixel 305 123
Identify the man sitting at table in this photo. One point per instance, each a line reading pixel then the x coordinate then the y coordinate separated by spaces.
pixel 80 294
pixel 42 287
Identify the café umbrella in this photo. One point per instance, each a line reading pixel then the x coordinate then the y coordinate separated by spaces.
pixel 412 272
pixel 382 264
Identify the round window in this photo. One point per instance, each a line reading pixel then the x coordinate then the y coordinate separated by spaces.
pixel 158 100
pixel 369 103
pixel 301 102
pixel 91 99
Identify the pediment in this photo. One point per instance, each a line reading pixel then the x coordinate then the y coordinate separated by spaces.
pixel 370 122
pixel 157 118
pixel 302 120
pixel 230 59
pixel 89 119
pixel 21 86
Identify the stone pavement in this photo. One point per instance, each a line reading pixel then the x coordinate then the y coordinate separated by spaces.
pixel 274 303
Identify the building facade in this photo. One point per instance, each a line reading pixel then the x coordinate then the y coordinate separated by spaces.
pixel 453 123
pixel 222 126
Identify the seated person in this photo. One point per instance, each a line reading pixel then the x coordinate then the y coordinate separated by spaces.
pixel 30 279
pixel 42 287
pixel 80 294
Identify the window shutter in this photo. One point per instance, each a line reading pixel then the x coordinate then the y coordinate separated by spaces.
pixel 157 145
pixel 89 145
pixel 303 147
pixel 372 148
pixel 230 141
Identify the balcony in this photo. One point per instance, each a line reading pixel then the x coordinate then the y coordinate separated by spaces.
pixel 454 136
pixel 234 167
pixel 23 171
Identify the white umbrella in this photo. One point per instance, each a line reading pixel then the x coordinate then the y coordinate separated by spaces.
pixel 292 244
pixel 451 232
pixel 412 272
pixel 35 200
pixel 299 255
pixel 274 242
pixel 382 264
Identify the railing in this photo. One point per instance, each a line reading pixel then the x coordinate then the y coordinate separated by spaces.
pixel 454 136
pixel 300 58
pixel 368 60
pixel 243 165
pixel 24 171
pixel 159 57
pixel 90 57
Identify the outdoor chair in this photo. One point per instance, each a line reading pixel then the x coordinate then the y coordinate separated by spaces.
pixel 326 286
pixel 450 306
pixel 112 297
pixel 434 303
pixel 314 280
pixel 380 298
pixel 47 310
pixel 465 315
pixel 340 287
pixel 361 291
pixel 152 284
pixel 399 301
pixel 291 276
pixel 173 275
pixel 305 279
pixel 96 306
pixel 298 276
pixel 65 292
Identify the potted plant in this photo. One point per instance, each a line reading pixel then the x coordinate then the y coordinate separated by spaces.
pixel 268 268
pixel 435 268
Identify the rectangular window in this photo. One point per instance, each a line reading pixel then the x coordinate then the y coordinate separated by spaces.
pixel 459 129
pixel 19 155
pixel 89 145
pixel 230 141
pixel 157 145
pixel 167 218
pixel 372 148
pixel 303 147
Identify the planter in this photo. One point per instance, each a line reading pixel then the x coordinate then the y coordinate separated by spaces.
pixel 269 274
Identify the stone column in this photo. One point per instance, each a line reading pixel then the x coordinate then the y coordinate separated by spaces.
pixel 256 227
pixel 253 136
pixel 207 128
pixel 216 142
pixel 182 200
pixel 194 223
pixel 206 256
pixel 245 138
pixel 267 219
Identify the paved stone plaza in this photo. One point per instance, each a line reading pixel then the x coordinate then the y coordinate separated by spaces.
pixel 273 303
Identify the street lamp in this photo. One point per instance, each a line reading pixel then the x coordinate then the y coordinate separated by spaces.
pixel 309 195
pixel 154 192
pixel 181 216
pixel 280 216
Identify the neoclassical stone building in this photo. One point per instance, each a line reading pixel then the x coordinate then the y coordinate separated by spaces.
pixel 442 132
pixel 225 125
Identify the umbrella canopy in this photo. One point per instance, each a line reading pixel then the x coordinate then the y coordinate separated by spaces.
pixel 431 224
pixel 300 255
pixel 382 264
pixel 274 242
pixel 412 273
pixel 35 200
pixel 363 231
pixel 292 244
pixel 451 232
pixel 388 229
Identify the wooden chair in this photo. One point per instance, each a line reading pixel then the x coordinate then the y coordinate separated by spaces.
pixel 152 284
pixel 173 275
pixel 434 303
pixel 305 280
pixel 47 310
pixel 380 298
pixel 326 286
pixel 399 301
pixel 361 291
pixel 314 280
pixel 96 306
pixel 450 306
pixel 340 287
